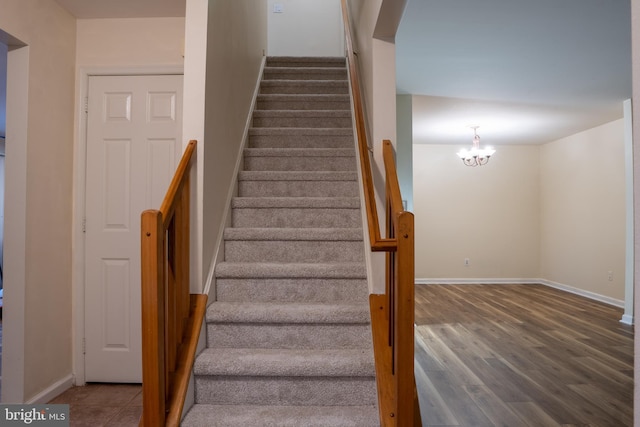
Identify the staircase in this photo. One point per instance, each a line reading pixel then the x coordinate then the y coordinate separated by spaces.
pixel 289 339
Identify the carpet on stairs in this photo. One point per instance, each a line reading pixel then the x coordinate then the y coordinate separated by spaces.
pixel 289 336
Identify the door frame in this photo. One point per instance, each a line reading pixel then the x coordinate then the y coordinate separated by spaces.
pixel 79 188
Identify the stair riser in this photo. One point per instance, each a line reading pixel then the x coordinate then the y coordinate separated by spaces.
pixel 302 122
pixel 298 189
pixel 282 416
pixel 302 105
pixel 296 62
pixel 304 163
pixel 327 74
pixel 326 391
pixel 293 251
pixel 300 141
pixel 296 217
pixel 274 86
pixel 292 290
pixel 288 336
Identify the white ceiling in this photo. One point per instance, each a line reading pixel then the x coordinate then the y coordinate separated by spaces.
pixel 88 9
pixel 524 71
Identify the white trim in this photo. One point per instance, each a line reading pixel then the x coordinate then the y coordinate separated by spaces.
pixel 591 295
pixel 52 391
pixel 79 188
pixel 629 228
pixel 587 294
pixel 219 251
pixel 477 281
pixel 15 226
pixel 626 319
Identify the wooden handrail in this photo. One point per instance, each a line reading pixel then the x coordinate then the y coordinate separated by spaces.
pixel 392 314
pixel 171 317
pixel 376 241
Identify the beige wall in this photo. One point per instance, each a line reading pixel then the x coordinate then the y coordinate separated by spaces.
pixel 45 154
pixel 305 28
pixel 583 210
pixel 559 216
pixel 237 37
pixel 130 42
pixel 487 214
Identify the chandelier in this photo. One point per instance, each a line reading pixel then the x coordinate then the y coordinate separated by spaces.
pixel 476 156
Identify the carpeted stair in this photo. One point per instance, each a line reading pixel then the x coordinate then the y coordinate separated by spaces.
pixel 289 338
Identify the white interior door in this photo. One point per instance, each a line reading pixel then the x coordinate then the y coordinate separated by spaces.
pixel 134 127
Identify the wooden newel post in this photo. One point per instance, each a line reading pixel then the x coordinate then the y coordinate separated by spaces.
pixel 153 319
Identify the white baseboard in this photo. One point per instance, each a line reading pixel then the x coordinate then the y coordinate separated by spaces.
pixel 52 391
pixel 587 294
pixel 627 319
pixel 476 281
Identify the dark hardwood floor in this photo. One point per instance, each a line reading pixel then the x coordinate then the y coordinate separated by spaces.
pixel 521 355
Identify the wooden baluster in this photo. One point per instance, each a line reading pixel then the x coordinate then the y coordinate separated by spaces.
pixel 404 327
pixel 153 319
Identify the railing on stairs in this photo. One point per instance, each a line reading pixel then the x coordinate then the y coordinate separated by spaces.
pixel 392 314
pixel 171 317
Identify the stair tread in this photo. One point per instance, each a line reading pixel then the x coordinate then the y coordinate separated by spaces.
pixel 293 234
pixel 304 96
pixel 297 176
pixel 296 202
pixel 274 312
pixel 281 416
pixel 325 59
pixel 267 362
pixel 348 270
pixel 309 82
pixel 299 152
pixel 302 113
pixel 302 69
pixel 300 131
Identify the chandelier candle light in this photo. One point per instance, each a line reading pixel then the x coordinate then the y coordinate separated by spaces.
pixel 476 156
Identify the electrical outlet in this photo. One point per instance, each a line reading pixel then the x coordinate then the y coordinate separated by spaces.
pixel 467 262
pixel 278 8
pixel 610 275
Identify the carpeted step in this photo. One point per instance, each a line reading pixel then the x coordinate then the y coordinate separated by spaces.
pixel 288 335
pixel 302 118
pixel 297 184
pixel 288 282
pixel 299 159
pixel 302 102
pixel 288 325
pixel 285 377
pixel 325 87
pixel 341 270
pixel 301 138
pixel 296 212
pixel 293 245
pixel 281 416
pixel 266 362
pixel 305 61
pixel 292 290
pixel 304 73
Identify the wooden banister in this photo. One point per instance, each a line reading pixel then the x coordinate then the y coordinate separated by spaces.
pixel 392 314
pixel 373 224
pixel 171 317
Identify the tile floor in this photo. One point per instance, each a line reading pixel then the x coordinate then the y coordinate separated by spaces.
pixel 102 405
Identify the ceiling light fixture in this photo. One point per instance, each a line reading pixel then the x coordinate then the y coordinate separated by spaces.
pixel 476 156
